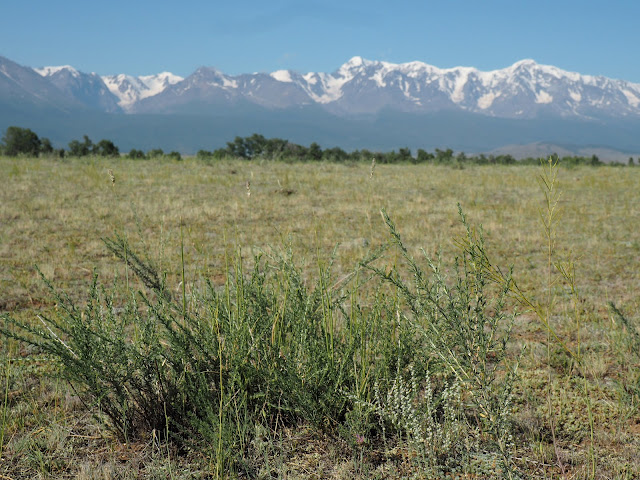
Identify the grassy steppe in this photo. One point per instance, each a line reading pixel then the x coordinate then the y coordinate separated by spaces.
pixel 53 214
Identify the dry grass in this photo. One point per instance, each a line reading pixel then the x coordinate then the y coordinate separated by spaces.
pixel 54 213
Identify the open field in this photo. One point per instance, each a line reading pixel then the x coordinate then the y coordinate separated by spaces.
pixel 575 409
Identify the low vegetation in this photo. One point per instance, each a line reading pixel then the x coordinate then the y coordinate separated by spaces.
pixel 272 320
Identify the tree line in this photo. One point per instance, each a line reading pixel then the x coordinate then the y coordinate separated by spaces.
pixel 258 147
pixel 23 141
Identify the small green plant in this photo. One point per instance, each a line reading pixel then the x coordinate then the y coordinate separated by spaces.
pixel 430 422
pixel 463 330
pixel 632 388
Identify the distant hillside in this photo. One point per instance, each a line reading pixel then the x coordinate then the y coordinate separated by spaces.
pixel 543 150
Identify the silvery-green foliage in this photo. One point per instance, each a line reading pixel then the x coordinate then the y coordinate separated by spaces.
pixel 431 423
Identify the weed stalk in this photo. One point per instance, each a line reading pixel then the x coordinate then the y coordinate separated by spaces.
pixel 5 402
pixel 549 218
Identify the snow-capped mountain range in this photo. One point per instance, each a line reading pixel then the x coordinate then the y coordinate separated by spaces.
pixel 363 104
pixel 526 89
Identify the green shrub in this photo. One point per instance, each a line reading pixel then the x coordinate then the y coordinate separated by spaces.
pixel 136 154
pixel 464 331
pixel 155 153
pixel 390 362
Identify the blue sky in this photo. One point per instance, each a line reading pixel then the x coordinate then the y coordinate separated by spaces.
pixel 144 37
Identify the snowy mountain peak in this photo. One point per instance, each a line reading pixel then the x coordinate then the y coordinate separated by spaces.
pixel 525 62
pixel 210 76
pixel 49 71
pixel 356 61
pixel 129 89
pixel 157 83
pixel 355 64
pixel 282 76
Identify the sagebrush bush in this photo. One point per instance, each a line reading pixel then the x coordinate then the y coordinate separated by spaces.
pixel 464 331
pixel 374 357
